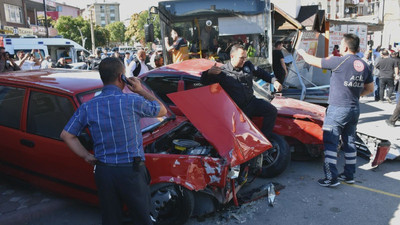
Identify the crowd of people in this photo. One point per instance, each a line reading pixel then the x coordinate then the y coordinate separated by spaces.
pixel 140 62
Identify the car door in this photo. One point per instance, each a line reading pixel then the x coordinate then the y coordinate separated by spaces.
pixel 46 154
pixel 11 109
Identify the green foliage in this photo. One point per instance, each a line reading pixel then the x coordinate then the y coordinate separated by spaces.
pixel 116 31
pixel 136 26
pixel 69 27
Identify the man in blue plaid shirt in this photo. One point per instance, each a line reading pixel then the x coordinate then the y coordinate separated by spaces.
pixel 113 120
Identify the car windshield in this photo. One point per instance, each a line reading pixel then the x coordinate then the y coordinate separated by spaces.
pixel 146 124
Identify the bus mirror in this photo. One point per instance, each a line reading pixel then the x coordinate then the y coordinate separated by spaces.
pixel 153 10
pixel 149 32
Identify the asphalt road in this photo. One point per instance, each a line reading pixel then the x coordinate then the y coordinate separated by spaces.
pixel 373 200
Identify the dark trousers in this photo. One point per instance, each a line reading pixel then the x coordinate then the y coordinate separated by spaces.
pixel 129 185
pixel 383 83
pixel 340 122
pixel 396 113
pixel 260 107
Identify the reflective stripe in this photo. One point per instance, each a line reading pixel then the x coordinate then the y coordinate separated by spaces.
pixel 350 154
pixel 328 160
pixel 331 153
pixel 353 161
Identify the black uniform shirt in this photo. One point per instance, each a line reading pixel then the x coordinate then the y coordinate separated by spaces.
pixel 238 82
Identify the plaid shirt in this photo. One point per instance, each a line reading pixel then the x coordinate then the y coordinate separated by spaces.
pixel 113 120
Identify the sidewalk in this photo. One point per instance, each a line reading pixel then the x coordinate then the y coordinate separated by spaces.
pixel 372 122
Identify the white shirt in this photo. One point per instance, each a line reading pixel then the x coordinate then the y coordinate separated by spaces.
pixel 45 64
pixel 132 67
pixel 27 65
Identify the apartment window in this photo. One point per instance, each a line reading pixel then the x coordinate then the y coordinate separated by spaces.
pixel 328 9
pixel 13 13
pixel 103 23
pixel 112 15
pixel 112 19
pixel 59 8
pixel 112 7
pixel 102 15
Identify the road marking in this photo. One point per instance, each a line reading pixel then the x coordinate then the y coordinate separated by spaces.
pixel 373 190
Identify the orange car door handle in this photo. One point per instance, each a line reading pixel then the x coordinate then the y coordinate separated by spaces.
pixel 27 143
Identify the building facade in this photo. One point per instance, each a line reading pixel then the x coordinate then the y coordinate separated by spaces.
pixel 19 17
pixel 63 9
pixel 102 13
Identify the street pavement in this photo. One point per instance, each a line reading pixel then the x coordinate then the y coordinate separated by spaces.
pixel 374 199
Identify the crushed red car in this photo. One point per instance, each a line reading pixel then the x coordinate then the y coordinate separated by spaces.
pixel 298 122
pixel 195 165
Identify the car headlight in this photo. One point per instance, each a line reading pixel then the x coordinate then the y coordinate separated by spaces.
pixel 234 172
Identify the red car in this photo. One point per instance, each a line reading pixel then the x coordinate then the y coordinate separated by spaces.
pixel 195 165
pixel 298 122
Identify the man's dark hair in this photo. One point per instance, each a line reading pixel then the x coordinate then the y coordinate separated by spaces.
pixel 2 48
pixel 385 52
pixel 352 41
pixel 277 43
pixel 177 30
pixel 236 47
pixel 110 68
pixel 158 57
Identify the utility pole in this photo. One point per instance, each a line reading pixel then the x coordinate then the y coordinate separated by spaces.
pixel 45 18
pixel 83 38
pixel 92 29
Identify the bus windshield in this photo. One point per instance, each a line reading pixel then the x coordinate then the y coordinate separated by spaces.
pixel 211 27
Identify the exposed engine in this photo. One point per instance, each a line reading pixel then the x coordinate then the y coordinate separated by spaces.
pixel 185 139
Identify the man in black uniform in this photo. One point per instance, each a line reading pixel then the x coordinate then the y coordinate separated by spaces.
pixel 236 77
pixel 278 62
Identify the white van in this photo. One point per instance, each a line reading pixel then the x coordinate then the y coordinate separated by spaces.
pixel 55 47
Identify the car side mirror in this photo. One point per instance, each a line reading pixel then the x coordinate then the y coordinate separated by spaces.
pixel 149 32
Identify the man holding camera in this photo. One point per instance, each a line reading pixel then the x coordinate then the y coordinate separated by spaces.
pixel 6 62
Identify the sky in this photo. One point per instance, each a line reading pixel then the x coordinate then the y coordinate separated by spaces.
pixel 126 7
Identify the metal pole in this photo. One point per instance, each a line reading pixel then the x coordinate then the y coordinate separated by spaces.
pixel 45 18
pixel 92 30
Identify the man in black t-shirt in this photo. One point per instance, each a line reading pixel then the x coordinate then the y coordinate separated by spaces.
pixel 388 68
pixel 351 78
pixel 278 62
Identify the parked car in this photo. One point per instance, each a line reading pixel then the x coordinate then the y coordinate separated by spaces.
pixel 298 122
pixel 195 165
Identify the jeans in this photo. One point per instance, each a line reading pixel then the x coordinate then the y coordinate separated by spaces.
pixel 340 122
pixel 376 88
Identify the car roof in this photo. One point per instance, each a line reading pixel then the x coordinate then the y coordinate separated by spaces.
pixel 192 67
pixel 65 81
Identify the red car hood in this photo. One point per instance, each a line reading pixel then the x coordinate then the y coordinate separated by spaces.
pixel 289 107
pixel 222 123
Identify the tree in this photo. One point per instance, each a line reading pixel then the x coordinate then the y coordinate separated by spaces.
pixel 116 31
pixel 136 26
pixel 69 27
